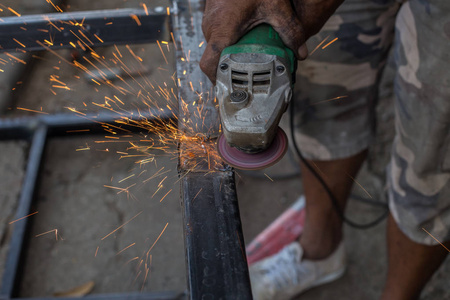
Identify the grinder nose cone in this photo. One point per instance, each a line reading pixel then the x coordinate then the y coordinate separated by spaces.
pixel 253 161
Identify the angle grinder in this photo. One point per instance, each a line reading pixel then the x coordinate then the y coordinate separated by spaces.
pixel 254 85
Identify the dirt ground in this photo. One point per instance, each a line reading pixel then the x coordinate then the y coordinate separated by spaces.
pixel 87 190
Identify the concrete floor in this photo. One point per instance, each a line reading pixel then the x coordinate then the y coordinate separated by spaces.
pixel 73 198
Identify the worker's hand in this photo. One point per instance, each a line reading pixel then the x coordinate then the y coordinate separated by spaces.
pixel 314 13
pixel 226 21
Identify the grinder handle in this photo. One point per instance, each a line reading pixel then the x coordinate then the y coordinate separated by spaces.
pixel 263 39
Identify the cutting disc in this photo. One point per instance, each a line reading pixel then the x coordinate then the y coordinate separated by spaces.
pixel 253 161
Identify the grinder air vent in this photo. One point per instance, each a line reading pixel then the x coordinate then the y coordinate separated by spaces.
pixel 239 79
pixel 261 82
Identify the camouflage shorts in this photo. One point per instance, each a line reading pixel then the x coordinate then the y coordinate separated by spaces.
pixel 419 171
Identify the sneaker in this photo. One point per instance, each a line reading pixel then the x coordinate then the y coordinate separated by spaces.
pixel 285 274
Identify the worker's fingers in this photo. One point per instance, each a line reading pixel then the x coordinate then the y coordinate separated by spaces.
pixel 223 24
pixel 284 20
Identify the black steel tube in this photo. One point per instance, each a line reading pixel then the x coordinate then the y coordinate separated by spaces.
pixel 215 249
pixel 214 244
pixel 13 262
pixel 81 29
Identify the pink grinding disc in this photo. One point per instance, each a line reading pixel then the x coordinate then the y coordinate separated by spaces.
pixel 253 161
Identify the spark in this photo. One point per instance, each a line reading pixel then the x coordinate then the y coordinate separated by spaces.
pixel 32 110
pixel 436 239
pixel 134 258
pixel 96 251
pixel 121 225
pixel 50 231
pixel 354 180
pixel 15 58
pixel 14 12
pixel 83 149
pixel 318 46
pixel 157 190
pixel 145 8
pixel 168 11
pixel 136 19
pixel 79 130
pixel 134 55
pixel 23 217
pixel 268 177
pixel 157 238
pixel 61 87
pixel 165 196
pixel 328 100
pixel 173 40
pixel 15 40
pixel 54 6
pixel 120 181
pixel 125 248
pixel 197 194
pixel 334 40
pixel 162 52
pixel 98 38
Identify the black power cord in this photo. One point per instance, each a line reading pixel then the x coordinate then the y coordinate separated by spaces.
pixel 325 186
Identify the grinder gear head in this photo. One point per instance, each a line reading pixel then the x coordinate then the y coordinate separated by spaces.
pixel 254 87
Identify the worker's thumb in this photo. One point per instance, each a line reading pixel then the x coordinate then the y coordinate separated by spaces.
pixel 210 60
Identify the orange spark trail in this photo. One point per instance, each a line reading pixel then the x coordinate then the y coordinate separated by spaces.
pixel 157 238
pixel 165 196
pixel 14 12
pixel 320 44
pixel 436 239
pixel 354 180
pixel 15 58
pixel 23 218
pixel 334 40
pixel 328 100
pixel 79 130
pixel 197 194
pixel 268 177
pixel 121 226
pixel 145 8
pixel 53 230
pixel 136 19
pixel 35 111
pixel 15 40
pixel 125 248
pixel 159 45
pixel 120 181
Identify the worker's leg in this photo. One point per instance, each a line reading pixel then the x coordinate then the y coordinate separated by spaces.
pixel 334 134
pixel 419 171
pixel 410 264
pixel 323 227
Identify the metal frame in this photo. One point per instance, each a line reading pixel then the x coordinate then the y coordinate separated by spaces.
pixel 214 245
